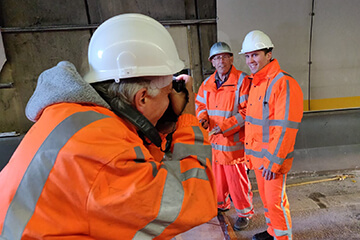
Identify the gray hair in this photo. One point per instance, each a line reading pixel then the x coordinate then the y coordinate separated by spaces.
pixel 125 90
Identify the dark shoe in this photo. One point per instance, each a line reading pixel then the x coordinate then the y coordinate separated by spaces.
pixel 241 223
pixel 263 236
pixel 220 210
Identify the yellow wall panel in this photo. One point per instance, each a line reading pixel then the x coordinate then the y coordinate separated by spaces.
pixel 332 103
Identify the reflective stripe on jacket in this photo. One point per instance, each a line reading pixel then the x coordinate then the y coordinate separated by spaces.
pixel 225 107
pixel 274 113
pixel 81 172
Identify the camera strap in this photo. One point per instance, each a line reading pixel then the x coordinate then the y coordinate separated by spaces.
pixel 144 126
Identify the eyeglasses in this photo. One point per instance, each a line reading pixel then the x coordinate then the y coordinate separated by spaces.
pixel 218 57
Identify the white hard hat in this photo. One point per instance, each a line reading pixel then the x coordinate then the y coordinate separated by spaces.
pixel 131 45
pixel 256 40
pixel 219 47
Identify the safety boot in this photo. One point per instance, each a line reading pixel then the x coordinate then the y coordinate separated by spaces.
pixel 241 223
pixel 222 210
pixel 263 236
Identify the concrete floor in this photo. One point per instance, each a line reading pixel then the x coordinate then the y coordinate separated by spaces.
pixel 322 207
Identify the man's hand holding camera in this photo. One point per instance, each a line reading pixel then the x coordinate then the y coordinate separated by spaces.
pixel 182 103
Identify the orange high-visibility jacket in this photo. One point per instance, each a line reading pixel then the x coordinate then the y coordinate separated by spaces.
pixel 225 107
pixel 81 172
pixel 274 113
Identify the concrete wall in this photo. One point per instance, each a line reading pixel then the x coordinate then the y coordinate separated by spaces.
pixel 316 42
pixel 38 34
pixel 7 147
pixel 328 141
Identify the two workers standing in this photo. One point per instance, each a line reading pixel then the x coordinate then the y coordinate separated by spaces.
pixel 253 121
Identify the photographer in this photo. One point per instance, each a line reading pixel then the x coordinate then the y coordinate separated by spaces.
pixel 92 165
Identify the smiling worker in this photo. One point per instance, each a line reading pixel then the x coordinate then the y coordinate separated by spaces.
pixel 274 113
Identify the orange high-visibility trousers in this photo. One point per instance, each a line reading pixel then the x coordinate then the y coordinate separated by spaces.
pixel 276 205
pixel 233 180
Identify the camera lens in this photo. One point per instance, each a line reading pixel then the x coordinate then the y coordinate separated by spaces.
pixel 179 86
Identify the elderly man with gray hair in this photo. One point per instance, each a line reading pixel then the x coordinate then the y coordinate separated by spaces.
pixel 93 165
pixel 221 108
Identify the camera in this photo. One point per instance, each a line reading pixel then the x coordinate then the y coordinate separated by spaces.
pixel 178 85
pixel 167 122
